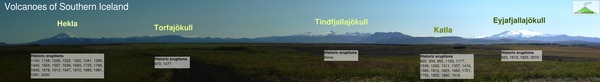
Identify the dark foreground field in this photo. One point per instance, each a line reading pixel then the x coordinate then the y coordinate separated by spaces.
pixel 304 62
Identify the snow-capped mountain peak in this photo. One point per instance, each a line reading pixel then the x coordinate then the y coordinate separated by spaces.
pixel 64 35
pixel 519 33
pixel 538 36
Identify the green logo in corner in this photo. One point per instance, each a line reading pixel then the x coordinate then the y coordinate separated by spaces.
pixel 585 7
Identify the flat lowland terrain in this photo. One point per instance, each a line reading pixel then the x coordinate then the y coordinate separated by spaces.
pixel 304 62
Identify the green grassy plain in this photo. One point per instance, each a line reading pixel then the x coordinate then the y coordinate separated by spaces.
pixel 304 62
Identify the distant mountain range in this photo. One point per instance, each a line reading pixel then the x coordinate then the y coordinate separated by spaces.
pixel 309 37
pixel 538 36
pixel 69 38
pixel 507 37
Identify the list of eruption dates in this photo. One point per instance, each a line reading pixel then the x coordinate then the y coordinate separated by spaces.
pixel 172 62
pixel 521 55
pixel 67 66
pixel 447 66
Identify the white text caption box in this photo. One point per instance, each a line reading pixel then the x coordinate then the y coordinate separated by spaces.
pixel 340 55
pixel 172 62
pixel 67 65
pixel 521 55
pixel 447 66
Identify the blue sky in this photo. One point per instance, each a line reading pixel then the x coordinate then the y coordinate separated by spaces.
pixel 261 18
